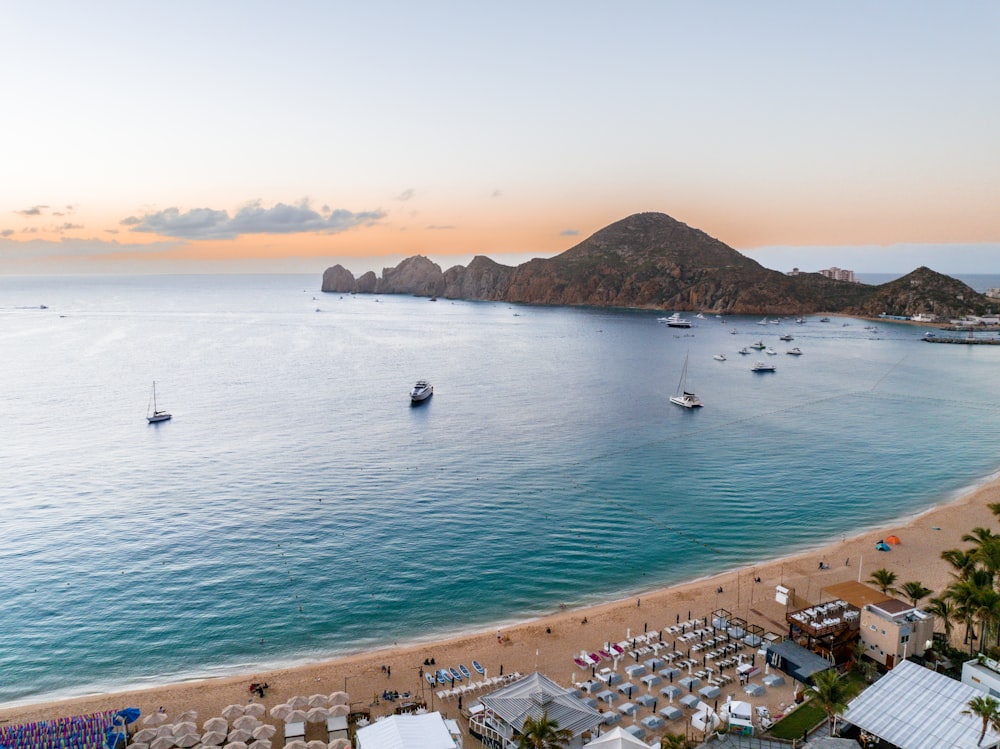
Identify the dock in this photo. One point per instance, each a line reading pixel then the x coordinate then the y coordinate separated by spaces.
pixel 968 341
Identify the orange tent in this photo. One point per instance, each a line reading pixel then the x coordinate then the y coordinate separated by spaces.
pixel 893 540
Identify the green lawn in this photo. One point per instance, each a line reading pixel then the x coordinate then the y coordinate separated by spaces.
pixel 808 716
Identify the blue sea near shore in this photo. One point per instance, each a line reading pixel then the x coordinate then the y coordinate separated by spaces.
pixel 297 506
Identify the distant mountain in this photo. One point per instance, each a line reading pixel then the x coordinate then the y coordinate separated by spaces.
pixel 650 260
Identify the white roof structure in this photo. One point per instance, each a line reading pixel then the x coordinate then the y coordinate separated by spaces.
pixel 619 738
pixel 426 731
pixel 536 695
pixel 913 707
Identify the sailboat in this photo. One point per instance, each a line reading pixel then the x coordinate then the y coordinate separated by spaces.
pixel 684 397
pixel 156 415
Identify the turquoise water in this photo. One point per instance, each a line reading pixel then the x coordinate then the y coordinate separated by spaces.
pixel 297 499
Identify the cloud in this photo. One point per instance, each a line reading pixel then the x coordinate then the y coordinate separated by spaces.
pixel 35 210
pixel 68 227
pixel 6 233
pixel 496 194
pixel 569 233
pixel 436 227
pixel 35 249
pixel 253 218
pixel 406 195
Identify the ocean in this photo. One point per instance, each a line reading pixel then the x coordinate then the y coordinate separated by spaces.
pixel 297 507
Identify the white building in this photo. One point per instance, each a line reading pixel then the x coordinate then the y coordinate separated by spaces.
pixel 983 674
pixel 426 731
pixel 838 274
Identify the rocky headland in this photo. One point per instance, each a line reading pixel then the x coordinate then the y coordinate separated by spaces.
pixel 650 260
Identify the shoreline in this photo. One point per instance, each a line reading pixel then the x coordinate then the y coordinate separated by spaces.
pixel 550 641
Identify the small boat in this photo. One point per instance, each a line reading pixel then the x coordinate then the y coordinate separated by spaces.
pixel 744 350
pixel 676 321
pixel 443 677
pixel 759 345
pixel 465 671
pixel 719 357
pixel 770 352
pixel 454 672
pixel 700 316
pixel 824 319
pixel 732 332
pixel 762 367
pixel 478 666
pixel 421 391
pixel 155 415
pixel 684 397
pixel 430 678
pixel 762 322
pixel 800 321
pixel 786 337
pixel 794 351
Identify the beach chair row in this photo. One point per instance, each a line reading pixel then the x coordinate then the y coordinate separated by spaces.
pixel 475 686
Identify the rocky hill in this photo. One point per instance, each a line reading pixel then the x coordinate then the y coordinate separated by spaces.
pixel 650 260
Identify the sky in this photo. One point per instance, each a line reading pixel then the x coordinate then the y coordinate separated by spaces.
pixel 223 136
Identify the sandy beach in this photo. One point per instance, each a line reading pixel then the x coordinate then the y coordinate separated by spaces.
pixel 550 643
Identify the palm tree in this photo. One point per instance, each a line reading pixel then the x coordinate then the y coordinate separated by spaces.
pixel 994 508
pixel 942 609
pixel 963 561
pixel 673 741
pixel 985 708
pixel 542 733
pixel 915 591
pixel 883 579
pixel 830 692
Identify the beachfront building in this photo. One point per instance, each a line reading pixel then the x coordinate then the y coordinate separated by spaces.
pixel 501 717
pixel 913 707
pixel 830 628
pixel 983 674
pixel 839 274
pixel 894 630
pixel 425 731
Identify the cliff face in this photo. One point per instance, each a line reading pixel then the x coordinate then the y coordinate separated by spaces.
pixel 651 260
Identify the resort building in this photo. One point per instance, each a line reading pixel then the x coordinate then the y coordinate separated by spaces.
pixel 916 708
pixel 500 717
pixel 839 274
pixel 982 674
pixel 894 630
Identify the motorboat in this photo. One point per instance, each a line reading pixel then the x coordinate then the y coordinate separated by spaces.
pixel 684 397
pixel 676 321
pixel 770 351
pixel 786 337
pixel 153 414
pixel 794 351
pixel 762 367
pixel 719 357
pixel 824 319
pixel 700 316
pixel 800 321
pixel 759 345
pixel 744 350
pixel 421 391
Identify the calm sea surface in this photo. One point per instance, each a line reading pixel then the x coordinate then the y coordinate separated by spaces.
pixel 297 498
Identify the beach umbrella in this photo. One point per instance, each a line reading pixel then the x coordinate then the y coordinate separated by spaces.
pixel 213 738
pixel 296 716
pixel 296 744
pixel 298 702
pixel 238 734
pixel 139 745
pixel 316 744
pixel 255 709
pixel 162 742
pixel 339 710
pixel 185 727
pixel 339 698
pixel 229 712
pixel 281 711
pixel 127 715
pixel 155 719
pixel 167 731
pixel 260 744
pixel 246 722
pixel 216 724
pixel 236 745
pixel 188 740
pixel 340 744
pixel 317 715
pixel 264 732
pixel 187 715
pixel 144 736
pixel 318 700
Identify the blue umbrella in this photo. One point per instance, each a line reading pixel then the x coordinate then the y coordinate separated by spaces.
pixel 128 715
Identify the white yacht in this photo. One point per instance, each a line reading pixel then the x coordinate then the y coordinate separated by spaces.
pixel 794 351
pixel 744 350
pixel 676 321
pixel 770 352
pixel 762 367
pixel 421 391
pixel 719 357
pixel 684 397
pixel 153 414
